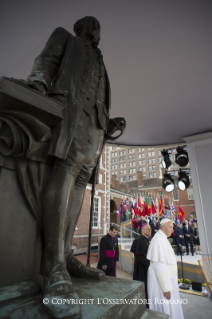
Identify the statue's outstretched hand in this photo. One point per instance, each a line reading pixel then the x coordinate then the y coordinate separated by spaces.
pixel 116 124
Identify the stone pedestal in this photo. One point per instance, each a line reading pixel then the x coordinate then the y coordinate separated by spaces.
pixel 108 298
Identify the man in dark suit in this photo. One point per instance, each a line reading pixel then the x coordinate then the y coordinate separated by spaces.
pixel 139 248
pixel 154 226
pixel 188 236
pixel 71 70
pixel 179 237
pixel 109 252
pixel 140 223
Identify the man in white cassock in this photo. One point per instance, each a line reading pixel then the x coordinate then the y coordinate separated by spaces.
pixel 162 277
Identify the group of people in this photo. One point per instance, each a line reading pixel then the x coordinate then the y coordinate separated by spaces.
pixel 185 233
pixel 155 264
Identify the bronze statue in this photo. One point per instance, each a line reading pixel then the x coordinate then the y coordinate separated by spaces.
pixel 71 70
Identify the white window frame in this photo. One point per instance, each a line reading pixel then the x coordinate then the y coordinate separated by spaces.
pixel 99 213
pixel 190 193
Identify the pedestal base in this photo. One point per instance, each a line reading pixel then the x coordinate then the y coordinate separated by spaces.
pixel 108 298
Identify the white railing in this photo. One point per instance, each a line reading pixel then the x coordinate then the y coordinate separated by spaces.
pixel 121 239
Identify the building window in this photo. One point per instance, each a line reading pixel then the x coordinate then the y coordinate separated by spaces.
pixel 190 194
pixel 130 177
pixel 134 177
pixel 122 165
pixel 151 160
pixel 123 172
pixel 122 179
pixel 151 153
pixel 144 175
pixel 143 162
pixel 131 164
pixel 96 212
pixel 114 154
pixel 141 155
pixel 122 158
pixel 132 150
pixel 122 152
pixel 114 160
pixel 175 195
pixel 131 157
pixel 114 173
pixel 159 153
pixel 152 175
pixel 100 178
pixel 160 193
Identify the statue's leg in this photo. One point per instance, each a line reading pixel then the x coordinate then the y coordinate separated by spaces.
pixel 95 144
pixel 57 203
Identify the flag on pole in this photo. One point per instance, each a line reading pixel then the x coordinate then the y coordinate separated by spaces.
pixel 161 208
pixel 145 210
pixel 139 204
pixel 180 213
pixel 132 207
pixel 149 205
pixel 127 206
pixel 127 203
pixel 154 211
pixel 166 209
pixel 171 209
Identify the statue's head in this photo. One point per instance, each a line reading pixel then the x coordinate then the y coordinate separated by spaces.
pixel 88 27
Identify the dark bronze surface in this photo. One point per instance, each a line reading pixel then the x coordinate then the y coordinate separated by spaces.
pixel 54 156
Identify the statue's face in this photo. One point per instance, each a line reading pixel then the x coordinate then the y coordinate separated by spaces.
pixel 91 30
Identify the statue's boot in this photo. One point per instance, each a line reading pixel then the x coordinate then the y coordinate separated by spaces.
pixel 78 269
pixel 59 287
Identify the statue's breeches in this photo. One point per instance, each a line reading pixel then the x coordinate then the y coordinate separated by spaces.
pixel 85 148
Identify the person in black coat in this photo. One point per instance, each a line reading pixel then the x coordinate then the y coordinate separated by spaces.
pixel 188 235
pixel 154 226
pixel 140 223
pixel 109 252
pixel 179 238
pixel 139 248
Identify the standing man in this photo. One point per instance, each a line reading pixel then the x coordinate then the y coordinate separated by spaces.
pixel 139 248
pixel 140 223
pixel 179 238
pixel 135 225
pixel 109 252
pixel 188 235
pixel 162 278
pixel 71 70
pixel 155 227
